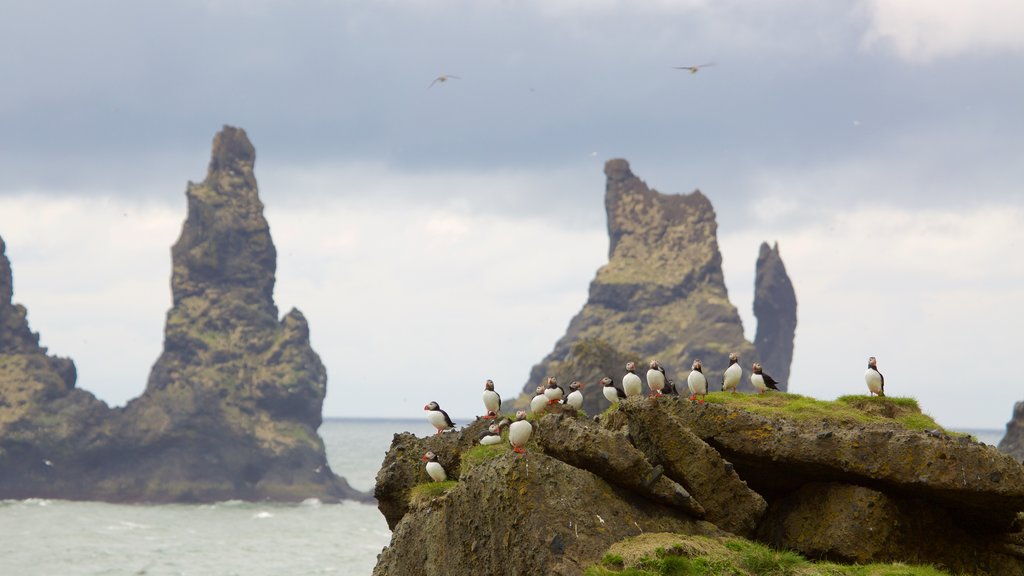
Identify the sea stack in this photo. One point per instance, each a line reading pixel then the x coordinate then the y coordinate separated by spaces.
pixel 775 309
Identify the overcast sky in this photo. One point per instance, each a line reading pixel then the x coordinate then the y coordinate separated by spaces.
pixel 437 236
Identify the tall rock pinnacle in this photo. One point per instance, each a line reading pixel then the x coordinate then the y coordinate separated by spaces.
pixel 661 296
pixel 775 309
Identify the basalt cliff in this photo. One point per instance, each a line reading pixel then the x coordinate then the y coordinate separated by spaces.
pixel 1013 441
pixel 662 296
pixel 233 403
pixel 859 481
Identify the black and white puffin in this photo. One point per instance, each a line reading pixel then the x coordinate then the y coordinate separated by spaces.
pixel 762 381
pixel 670 388
pixel 492 401
pixel 656 378
pixel 697 382
pixel 491 436
pixel 539 401
pixel 433 467
pixel 438 418
pixel 874 378
pixel 631 383
pixel 733 374
pixel 554 392
pixel 519 432
pixel 575 397
pixel 612 392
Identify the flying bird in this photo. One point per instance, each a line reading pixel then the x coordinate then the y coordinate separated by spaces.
pixel 433 467
pixel 762 381
pixel 631 383
pixel 519 432
pixel 438 418
pixel 874 378
pixel 733 374
pixel 492 401
pixel 443 78
pixel 694 69
pixel 697 382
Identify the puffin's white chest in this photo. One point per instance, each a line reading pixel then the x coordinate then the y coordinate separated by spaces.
pixel 697 382
pixel 437 419
pixel 519 433
pixel 874 380
pixel 733 374
pixel 575 399
pixel 553 394
pixel 491 439
pixel 611 394
pixel 538 403
pixel 757 381
pixel 632 385
pixel 655 380
pixel 436 472
pixel 492 401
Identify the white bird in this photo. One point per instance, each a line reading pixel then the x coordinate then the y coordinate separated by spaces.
pixel 492 400
pixel 443 78
pixel 434 468
pixel 554 392
pixel 612 392
pixel 575 397
pixel 761 381
pixel 519 432
pixel 656 378
pixel 874 378
pixel 438 418
pixel 733 374
pixel 539 402
pixel 697 382
pixel 631 383
pixel 694 69
pixel 491 436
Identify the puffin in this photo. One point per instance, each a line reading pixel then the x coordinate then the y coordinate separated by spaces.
pixel 492 401
pixel 656 378
pixel 539 402
pixel 575 397
pixel 612 392
pixel 439 418
pixel 491 436
pixel 733 374
pixel 631 383
pixel 554 392
pixel 670 388
pixel 762 381
pixel 434 468
pixel 697 382
pixel 874 378
pixel 519 433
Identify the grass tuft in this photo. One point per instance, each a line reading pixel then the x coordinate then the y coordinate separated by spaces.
pixel 427 491
pixel 479 454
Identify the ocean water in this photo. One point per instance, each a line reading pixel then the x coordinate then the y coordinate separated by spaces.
pixel 63 538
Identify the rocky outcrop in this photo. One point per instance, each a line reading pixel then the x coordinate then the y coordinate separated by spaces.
pixel 1012 442
pixel 858 488
pixel 661 296
pixel 775 309
pixel 233 403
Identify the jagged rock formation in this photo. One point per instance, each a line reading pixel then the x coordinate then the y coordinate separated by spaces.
pixel 775 309
pixel 857 488
pixel 1012 442
pixel 661 295
pixel 233 403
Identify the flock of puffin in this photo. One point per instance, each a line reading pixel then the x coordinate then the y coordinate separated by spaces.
pixel 520 430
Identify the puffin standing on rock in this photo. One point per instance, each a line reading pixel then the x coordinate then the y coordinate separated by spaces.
pixel 612 392
pixel 733 374
pixel 575 397
pixel 874 378
pixel 492 400
pixel 491 436
pixel 519 433
pixel 554 392
pixel 656 378
pixel 434 468
pixel 439 418
pixel 539 401
pixel 697 382
pixel 631 383
pixel 762 381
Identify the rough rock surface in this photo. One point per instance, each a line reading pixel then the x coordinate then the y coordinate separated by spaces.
pixel 661 296
pixel 855 492
pixel 1012 442
pixel 232 405
pixel 775 309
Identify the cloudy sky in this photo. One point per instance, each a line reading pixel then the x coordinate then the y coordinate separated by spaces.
pixel 437 236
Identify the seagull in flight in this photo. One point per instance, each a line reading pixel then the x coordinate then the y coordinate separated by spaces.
pixel 694 69
pixel 444 78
